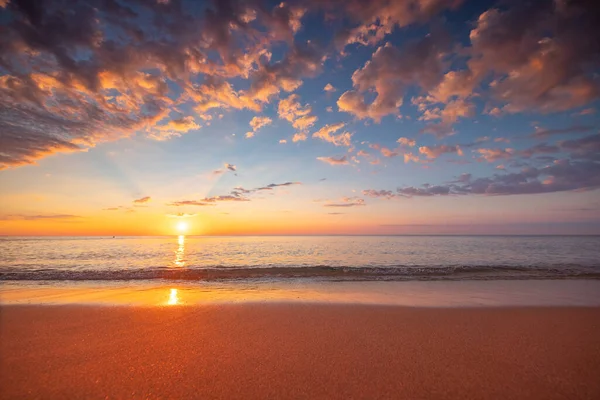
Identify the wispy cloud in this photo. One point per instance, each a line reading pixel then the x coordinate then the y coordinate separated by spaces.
pixel 334 160
pixel 142 200
pixel 37 217
pixel 346 202
pixel 543 133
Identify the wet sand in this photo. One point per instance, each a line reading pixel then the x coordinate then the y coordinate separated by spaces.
pixel 247 351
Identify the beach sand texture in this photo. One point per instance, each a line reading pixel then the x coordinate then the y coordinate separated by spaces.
pixel 277 351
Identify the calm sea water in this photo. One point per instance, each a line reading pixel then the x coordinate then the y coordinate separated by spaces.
pixel 330 258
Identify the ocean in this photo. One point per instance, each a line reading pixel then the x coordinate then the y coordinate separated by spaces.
pixel 314 258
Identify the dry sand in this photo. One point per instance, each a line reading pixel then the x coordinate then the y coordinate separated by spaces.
pixel 299 351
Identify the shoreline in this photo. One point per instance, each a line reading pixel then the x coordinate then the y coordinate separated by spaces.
pixel 299 350
pixel 432 294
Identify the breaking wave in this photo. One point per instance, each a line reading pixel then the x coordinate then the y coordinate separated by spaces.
pixel 317 272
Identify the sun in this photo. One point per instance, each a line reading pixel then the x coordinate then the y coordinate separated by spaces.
pixel 182 226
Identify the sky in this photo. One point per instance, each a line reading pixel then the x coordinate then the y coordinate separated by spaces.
pixel 299 117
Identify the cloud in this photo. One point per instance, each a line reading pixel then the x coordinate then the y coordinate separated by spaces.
pixel 295 113
pixel 142 200
pixel 587 111
pixel 386 152
pixel 334 160
pixel 190 203
pixel 541 148
pixel 538 54
pixel 585 148
pixel 329 88
pixel 299 137
pixel 390 72
pixel 256 123
pixel 107 70
pixel 387 194
pixel 406 142
pixel 492 155
pixel 238 194
pixel 408 157
pixel 376 19
pixel 447 115
pixel 230 167
pixel 544 133
pixel 433 152
pixel 272 186
pixel 326 133
pixel 346 202
pixel 24 217
pixel 181 215
pixel 282 141
pixel 560 176
pixel 174 128
pixel 224 198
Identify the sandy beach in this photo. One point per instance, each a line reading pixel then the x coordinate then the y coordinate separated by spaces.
pixel 299 351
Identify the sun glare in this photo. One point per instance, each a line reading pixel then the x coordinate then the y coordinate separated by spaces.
pixel 182 227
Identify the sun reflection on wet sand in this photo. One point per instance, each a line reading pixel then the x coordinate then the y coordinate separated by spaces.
pixel 173 297
pixel 180 253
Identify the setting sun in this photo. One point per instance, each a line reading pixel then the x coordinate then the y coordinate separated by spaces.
pixel 182 226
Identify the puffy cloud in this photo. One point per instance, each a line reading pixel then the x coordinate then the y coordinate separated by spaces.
pixel 386 152
pixel 346 202
pixel 434 152
pixel 142 200
pixel 299 137
pixel 539 53
pixel 106 69
pixel 492 155
pixel 283 141
pixel 378 18
pixel 326 133
pixel 329 88
pixel 174 128
pixel 270 79
pixel 447 114
pixel 408 157
pixel 334 160
pixel 295 113
pixel 391 71
pixel 406 142
pixel 256 123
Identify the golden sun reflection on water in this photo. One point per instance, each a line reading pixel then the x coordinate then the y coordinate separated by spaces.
pixel 173 297
pixel 180 252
